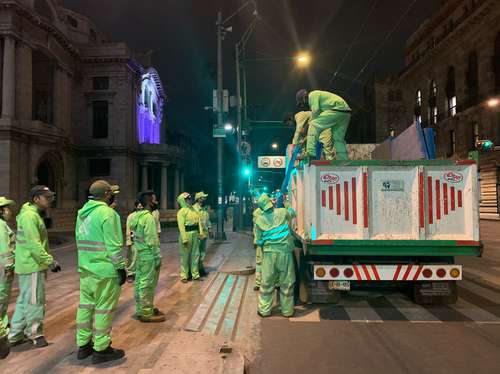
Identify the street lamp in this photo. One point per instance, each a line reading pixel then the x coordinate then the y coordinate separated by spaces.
pixel 303 59
pixel 274 146
pixel 493 102
pixel 228 127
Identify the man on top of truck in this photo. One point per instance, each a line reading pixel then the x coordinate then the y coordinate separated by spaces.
pixel 328 111
pixel 299 138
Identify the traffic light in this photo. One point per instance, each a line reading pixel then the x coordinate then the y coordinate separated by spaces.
pixel 484 145
pixel 246 171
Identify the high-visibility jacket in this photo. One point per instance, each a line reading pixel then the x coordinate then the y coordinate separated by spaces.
pixel 257 212
pixel 99 240
pixel 156 216
pixel 145 239
pixel 301 118
pixel 187 216
pixel 204 218
pixel 7 244
pixel 128 230
pixel 272 230
pixel 32 244
pixel 319 101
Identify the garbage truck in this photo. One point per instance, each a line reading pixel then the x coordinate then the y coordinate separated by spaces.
pixel 363 223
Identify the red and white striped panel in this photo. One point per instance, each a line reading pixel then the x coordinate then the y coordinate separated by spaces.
pixel 443 198
pixel 406 272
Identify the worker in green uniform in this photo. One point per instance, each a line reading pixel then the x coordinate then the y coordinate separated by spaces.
pixel 206 226
pixel 32 259
pixel 101 265
pixel 258 252
pixel 131 253
pixel 328 111
pixel 272 232
pixel 7 244
pixel 300 136
pixel 146 244
pixel 190 232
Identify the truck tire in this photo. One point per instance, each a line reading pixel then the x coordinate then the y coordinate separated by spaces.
pixel 438 293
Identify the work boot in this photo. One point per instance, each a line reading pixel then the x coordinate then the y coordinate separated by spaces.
pixel 153 318
pixel 158 312
pixel 263 315
pixel 39 342
pixel 109 354
pixel 256 288
pixel 203 272
pixel 4 347
pixel 84 351
pixel 184 280
pixel 18 342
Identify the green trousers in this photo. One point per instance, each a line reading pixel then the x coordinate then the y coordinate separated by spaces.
pixel 258 266
pixel 277 269
pixel 338 122
pixel 94 318
pixel 203 253
pixel 131 260
pixel 27 320
pixel 5 289
pixel 190 256
pixel 326 138
pixel 146 280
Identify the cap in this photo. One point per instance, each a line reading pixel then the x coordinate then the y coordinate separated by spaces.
pixel 200 195
pixel 5 202
pixel 264 202
pixel 41 191
pixel 100 187
pixel 300 95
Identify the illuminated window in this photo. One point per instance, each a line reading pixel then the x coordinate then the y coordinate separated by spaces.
pixel 418 98
pixel 100 119
pixel 452 106
pixel 433 110
pixel 418 107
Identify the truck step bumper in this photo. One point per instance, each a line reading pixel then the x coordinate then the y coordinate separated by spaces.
pixel 396 273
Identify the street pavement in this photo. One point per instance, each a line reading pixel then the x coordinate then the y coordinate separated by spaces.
pixel 382 331
pixel 212 326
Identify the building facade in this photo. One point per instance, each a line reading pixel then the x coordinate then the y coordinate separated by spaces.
pixel 76 108
pixel 451 82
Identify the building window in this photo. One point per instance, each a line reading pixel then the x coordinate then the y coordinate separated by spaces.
pixel 453 144
pixel 99 167
pixel 418 99
pixel 100 119
pixel 451 98
pixel 418 106
pixel 93 35
pixel 72 21
pixel 100 83
pixel 472 79
pixel 496 64
pixel 433 110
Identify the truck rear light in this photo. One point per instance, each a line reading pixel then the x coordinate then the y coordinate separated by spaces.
pixel 334 272
pixel 348 272
pixel 320 272
pixel 441 273
pixel 427 273
pixel 455 273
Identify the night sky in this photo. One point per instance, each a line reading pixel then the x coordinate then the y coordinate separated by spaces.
pixel 182 35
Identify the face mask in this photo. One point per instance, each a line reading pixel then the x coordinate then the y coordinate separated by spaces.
pixel 111 200
pixel 153 206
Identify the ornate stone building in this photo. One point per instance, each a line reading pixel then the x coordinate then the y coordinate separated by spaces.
pixel 451 82
pixel 75 108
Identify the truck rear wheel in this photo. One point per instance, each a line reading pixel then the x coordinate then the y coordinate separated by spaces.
pixel 441 292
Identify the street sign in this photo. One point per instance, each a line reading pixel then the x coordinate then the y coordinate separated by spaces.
pixel 271 162
pixel 218 132
pixel 225 101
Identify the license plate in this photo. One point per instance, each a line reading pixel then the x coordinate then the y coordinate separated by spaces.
pixel 339 285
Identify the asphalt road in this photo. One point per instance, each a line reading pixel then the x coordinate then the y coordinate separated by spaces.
pixel 382 331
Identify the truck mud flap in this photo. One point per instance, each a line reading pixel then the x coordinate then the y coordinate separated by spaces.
pixel 444 292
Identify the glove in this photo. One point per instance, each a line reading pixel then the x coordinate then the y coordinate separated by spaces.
pixel 55 267
pixel 122 276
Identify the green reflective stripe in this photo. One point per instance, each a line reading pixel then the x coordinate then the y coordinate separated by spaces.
pixel 278 236
pixel 20 241
pixel 103 311
pixel 86 325
pixel 92 249
pixel 89 242
pixel 102 331
pixel 276 229
pixel 86 306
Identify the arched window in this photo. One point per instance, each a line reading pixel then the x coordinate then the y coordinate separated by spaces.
pixel 472 79
pixel 418 106
pixel 433 110
pixel 451 97
pixel 496 64
pixel 44 9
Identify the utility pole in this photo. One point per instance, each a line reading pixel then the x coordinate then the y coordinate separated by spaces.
pixel 239 132
pixel 220 234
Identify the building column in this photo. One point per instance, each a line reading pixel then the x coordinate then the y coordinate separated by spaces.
pixel 61 99
pixel 24 82
pixel 177 185
pixel 164 187
pixel 182 181
pixel 9 78
pixel 144 180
